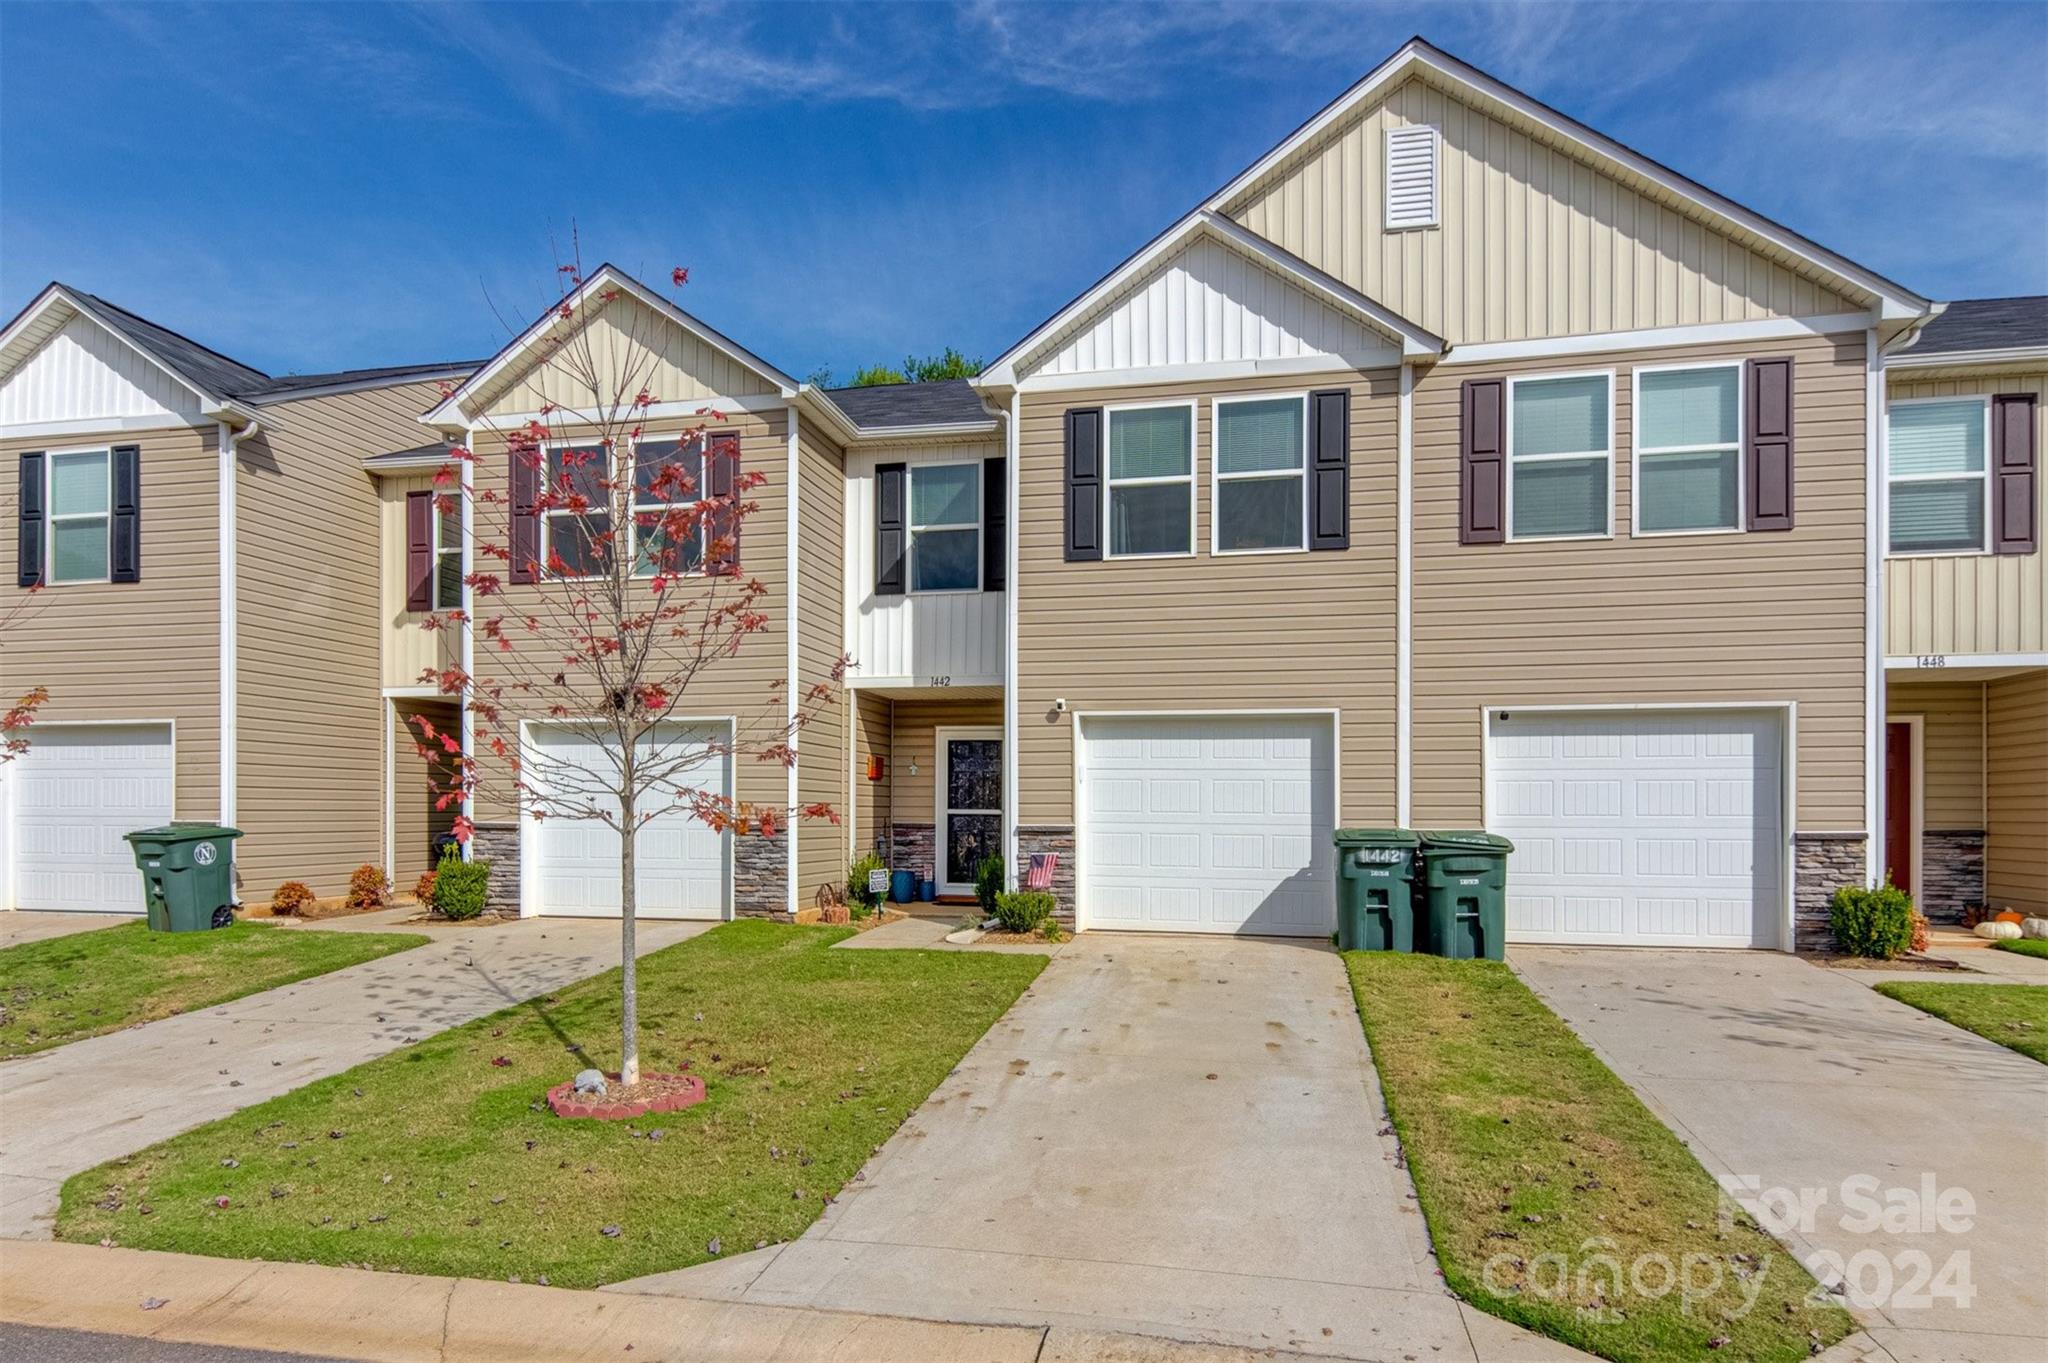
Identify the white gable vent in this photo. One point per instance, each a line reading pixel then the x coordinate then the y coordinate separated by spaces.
pixel 1411 177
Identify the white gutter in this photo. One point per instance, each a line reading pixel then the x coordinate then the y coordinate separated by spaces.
pixel 230 612
pixel 1404 616
pixel 791 684
pixel 1011 590
pixel 1873 608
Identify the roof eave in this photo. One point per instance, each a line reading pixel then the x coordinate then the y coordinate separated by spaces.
pixel 1963 359
pixel 55 293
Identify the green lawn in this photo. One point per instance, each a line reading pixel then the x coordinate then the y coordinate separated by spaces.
pixel 2013 1015
pixel 2025 946
pixel 439 1159
pixel 64 988
pixel 1537 1168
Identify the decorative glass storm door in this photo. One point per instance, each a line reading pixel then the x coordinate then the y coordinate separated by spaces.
pixel 970 804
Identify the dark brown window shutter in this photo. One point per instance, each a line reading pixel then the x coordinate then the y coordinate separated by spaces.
pixel 124 527
pixel 2015 474
pixel 1084 484
pixel 995 521
pixel 419 551
pixel 721 478
pixel 1482 461
pixel 1767 443
pixel 29 545
pixel 525 527
pixel 891 482
pixel 1329 469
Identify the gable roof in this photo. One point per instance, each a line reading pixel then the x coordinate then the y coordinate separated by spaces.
pixel 1419 58
pixel 882 406
pixel 1411 339
pixel 603 281
pixel 1987 327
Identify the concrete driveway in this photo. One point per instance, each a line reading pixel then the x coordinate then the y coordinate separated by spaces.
pixel 1800 1077
pixel 1172 1136
pixel 151 1082
pixel 31 925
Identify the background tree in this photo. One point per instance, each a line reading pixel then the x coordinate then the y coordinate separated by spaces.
pixel 600 624
pixel 16 718
pixel 947 364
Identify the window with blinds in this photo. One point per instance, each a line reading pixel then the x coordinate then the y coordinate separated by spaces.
pixel 1688 430
pixel 1938 481
pixel 1560 456
pixel 1261 473
pixel 1412 156
pixel 1151 483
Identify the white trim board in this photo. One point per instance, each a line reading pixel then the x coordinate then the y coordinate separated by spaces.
pixel 1652 338
pixel 1217 371
pixel 1908 662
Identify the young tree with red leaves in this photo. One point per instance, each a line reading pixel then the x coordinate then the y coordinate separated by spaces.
pixel 604 586
pixel 16 718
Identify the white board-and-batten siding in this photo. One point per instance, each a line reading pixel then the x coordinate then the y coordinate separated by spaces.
pixel 84 372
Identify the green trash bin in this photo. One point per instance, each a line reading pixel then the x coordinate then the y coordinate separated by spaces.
pixel 188 878
pixel 1465 889
pixel 1375 894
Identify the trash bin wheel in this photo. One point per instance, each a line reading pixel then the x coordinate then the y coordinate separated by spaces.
pixel 223 915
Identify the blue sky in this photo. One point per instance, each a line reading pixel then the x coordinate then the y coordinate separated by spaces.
pixel 311 187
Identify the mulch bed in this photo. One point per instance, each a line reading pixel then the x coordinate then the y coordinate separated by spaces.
pixel 1931 964
pixel 654 1093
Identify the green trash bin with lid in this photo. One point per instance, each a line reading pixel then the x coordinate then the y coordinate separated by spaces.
pixel 188 878
pixel 1465 891
pixel 1375 890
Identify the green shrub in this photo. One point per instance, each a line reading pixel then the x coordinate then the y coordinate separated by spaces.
pixel 1024 910
pixel 460 887
pixel 988 883
pixel 859 897
pixel 1875 923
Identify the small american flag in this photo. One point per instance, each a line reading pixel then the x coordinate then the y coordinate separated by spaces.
pixel 1038 876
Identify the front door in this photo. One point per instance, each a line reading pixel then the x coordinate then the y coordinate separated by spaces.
pixel 969 801
pixel 1898 805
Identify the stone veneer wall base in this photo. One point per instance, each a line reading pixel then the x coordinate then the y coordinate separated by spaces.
pixel 760 876
pixel 1032 838
pixel 912 848
pixel 1951 872
pixel 498 843
pixel 1821 862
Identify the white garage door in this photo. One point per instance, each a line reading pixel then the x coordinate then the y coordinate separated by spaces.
pixel 77 789
pixel 1657 828
pixel 1208 824
pixel 681 861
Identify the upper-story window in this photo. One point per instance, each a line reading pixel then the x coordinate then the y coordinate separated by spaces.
pixel 1560 456
pixel 448 553
pixel 1688 474
pixel 81 506
pixel 666 473
pixel 1938 479
pixel 1261 475
pixel 577 537
pixel 1151 482
pixel 945 527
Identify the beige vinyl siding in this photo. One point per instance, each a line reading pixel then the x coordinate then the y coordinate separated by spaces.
pixel 1532 240
pixel 822 845
pixel 147 650
pixel 1972 603
pixel 310 794
pixel 1749 617
pixel 1952 747
pixel 417 817
pixel 627 347
pixel 2016 850
pixel 742 686
pixel 912 798
pixel 874 736
pixel 409 650
pixel 1307 631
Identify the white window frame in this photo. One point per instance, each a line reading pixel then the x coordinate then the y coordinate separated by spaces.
pixel 51 516
pixel 1436 178
pixel 638 508
pixel 1217 476
pixel 1637 449
pixel 911 527
pixel 1983 400
pixel 443 549
pixel 1194 444
pixel 547 518
pixel 1508 436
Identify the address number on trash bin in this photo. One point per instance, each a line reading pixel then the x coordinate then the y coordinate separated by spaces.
pixel 1381 857
pixel 204 854
pixel 1468 880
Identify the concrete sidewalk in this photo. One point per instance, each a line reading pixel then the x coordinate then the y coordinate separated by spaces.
pixel 151 1082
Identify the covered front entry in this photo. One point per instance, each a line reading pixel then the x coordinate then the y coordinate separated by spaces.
pixel 76 790
pixel 967 804
pixel 1207 823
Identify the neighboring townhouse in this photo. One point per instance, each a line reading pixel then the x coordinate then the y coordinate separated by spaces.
pixel 204 540
pixel 1452 466
pixel 1966 627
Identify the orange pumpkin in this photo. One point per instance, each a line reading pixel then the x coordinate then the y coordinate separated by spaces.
pixel 2009 917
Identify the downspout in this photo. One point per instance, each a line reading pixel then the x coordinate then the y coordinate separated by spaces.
pixel 1873 609
pixel 1404 616
pixel 468 471
pixel 230 614
pixel 1012 588
pixel 790 675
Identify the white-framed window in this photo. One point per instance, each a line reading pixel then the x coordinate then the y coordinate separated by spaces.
pixel 1561 456
pixel 80 498
pixel 1938 475
pixel 1687 422
pixel 666 473
pixel 577 537
pixel 1413 157
pixel 447 552
pixel 1148 487
pixel 1258 469
pixel 945 527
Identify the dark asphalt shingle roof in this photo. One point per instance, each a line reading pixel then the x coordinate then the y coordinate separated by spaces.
pixel 439 448
pixel 885 405
pixel 1972 324
pixel 208 368
pixel 292 383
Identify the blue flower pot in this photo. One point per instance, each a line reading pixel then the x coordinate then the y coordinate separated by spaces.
pixel 928 891
pixel 902 887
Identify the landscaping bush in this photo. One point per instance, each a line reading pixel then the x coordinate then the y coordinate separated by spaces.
pixel 423 889
pixel 988 883
pixel 291 896
pixel 1875 923
pixel 858 895
pixel 1923 934
pixel 461 887
pixel 1024 910
pixel 368 889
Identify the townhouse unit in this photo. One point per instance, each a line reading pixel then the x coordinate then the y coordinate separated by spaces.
pixel 1452 466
